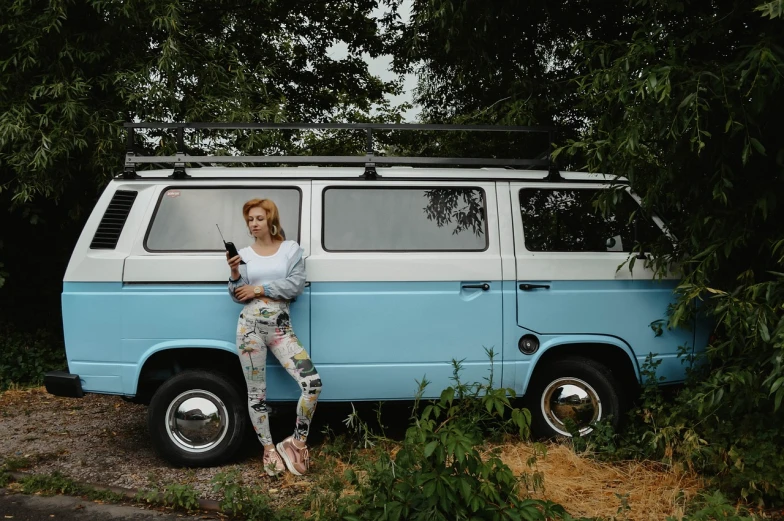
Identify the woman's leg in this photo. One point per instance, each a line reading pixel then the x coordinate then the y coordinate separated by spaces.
pixel 287 348
pixel 253 357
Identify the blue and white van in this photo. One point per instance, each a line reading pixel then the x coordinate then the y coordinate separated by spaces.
pixel 408 269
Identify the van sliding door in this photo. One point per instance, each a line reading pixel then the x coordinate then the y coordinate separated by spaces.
pixel 405 277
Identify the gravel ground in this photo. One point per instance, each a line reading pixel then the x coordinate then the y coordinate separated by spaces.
pixel 103 439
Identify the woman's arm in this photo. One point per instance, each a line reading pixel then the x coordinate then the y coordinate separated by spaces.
pixel 237 282
pixel 293 284
pixel 233 285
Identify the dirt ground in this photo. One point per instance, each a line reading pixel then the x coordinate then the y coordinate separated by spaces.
pixel 104 440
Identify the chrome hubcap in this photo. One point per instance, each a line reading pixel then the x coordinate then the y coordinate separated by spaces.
pixel 571 398
pixel 197 421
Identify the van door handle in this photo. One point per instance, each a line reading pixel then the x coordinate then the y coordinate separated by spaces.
pixel 307 284
pixel 529 287
pixel 483 287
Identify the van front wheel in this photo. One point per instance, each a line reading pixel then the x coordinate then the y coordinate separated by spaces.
pixel 570 395
pixel 196 419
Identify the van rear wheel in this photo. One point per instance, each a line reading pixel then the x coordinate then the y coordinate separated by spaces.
pixel 572 394
pixel 196 419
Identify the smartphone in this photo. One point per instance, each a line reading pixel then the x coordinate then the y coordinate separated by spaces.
pixel 229 246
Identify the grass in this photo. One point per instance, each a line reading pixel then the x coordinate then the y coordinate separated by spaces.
pixel 591 488
pixel 57 483
pixel 585 486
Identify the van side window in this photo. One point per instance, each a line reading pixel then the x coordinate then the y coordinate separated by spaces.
pixel 185 218
pixel 404 219
pixel 566 220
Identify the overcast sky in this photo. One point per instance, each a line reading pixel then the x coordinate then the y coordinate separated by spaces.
pixel 380 66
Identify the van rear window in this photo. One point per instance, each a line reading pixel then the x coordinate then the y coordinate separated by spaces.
pixel 404 219
pixel 186 217
pixel 566 220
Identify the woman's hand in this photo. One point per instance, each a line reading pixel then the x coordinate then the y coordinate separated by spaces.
pixel 234 264
pixel 245 293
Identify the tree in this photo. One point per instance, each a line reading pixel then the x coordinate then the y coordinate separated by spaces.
pixel 74 71
pixel 684 98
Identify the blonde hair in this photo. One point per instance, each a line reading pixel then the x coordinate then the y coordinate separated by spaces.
pixel 273 216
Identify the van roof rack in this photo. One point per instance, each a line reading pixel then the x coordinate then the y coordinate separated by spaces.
pixel 369 160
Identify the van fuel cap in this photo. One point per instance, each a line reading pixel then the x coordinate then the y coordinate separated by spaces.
pixel 528 344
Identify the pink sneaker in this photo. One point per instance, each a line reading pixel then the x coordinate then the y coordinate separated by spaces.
pixel 272 462
pixel 297 460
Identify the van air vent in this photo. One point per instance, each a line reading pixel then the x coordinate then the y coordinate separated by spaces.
pixel 113 220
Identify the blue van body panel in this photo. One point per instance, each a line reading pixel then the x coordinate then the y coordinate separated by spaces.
pixel 92 322
pixel 197 311
pixel 371 340
pixel 610 312
pixel 101 378
pixel 91 325
pixel 394 381
pixel 624 309
pixel 111 329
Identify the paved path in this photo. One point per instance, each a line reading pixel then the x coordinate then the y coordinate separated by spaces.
pixel 21 507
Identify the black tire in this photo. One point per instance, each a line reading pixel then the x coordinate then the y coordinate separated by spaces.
pixel 587 378
pixel 208 437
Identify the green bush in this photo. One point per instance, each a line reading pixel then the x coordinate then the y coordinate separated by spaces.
pixel 738 452
pixel 715 507
pixel 25 357
pixel 175 495
pixel 439 471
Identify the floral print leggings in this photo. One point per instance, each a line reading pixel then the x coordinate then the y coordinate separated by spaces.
pixel 265 324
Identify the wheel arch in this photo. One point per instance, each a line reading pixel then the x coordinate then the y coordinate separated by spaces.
pixel 167 359
pixel 611 352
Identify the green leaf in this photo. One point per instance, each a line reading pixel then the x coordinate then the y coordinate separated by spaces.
pixel 773 9
pixel 450 446
pixel 465 489
pixel 757 146
pixel 459 453
pixel 499 407
pixel 687 100
pixel 394 510
pixel 430 447
pixel 429 488
pixel 764 333
pixel 489 403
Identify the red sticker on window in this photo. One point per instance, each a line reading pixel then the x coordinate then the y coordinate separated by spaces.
pixel 173 193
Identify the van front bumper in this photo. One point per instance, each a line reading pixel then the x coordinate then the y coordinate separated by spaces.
pixel 60 383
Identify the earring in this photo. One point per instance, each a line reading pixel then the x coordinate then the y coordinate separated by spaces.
pixel 274 230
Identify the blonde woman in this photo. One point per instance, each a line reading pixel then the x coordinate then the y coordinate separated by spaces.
pixel 272 275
